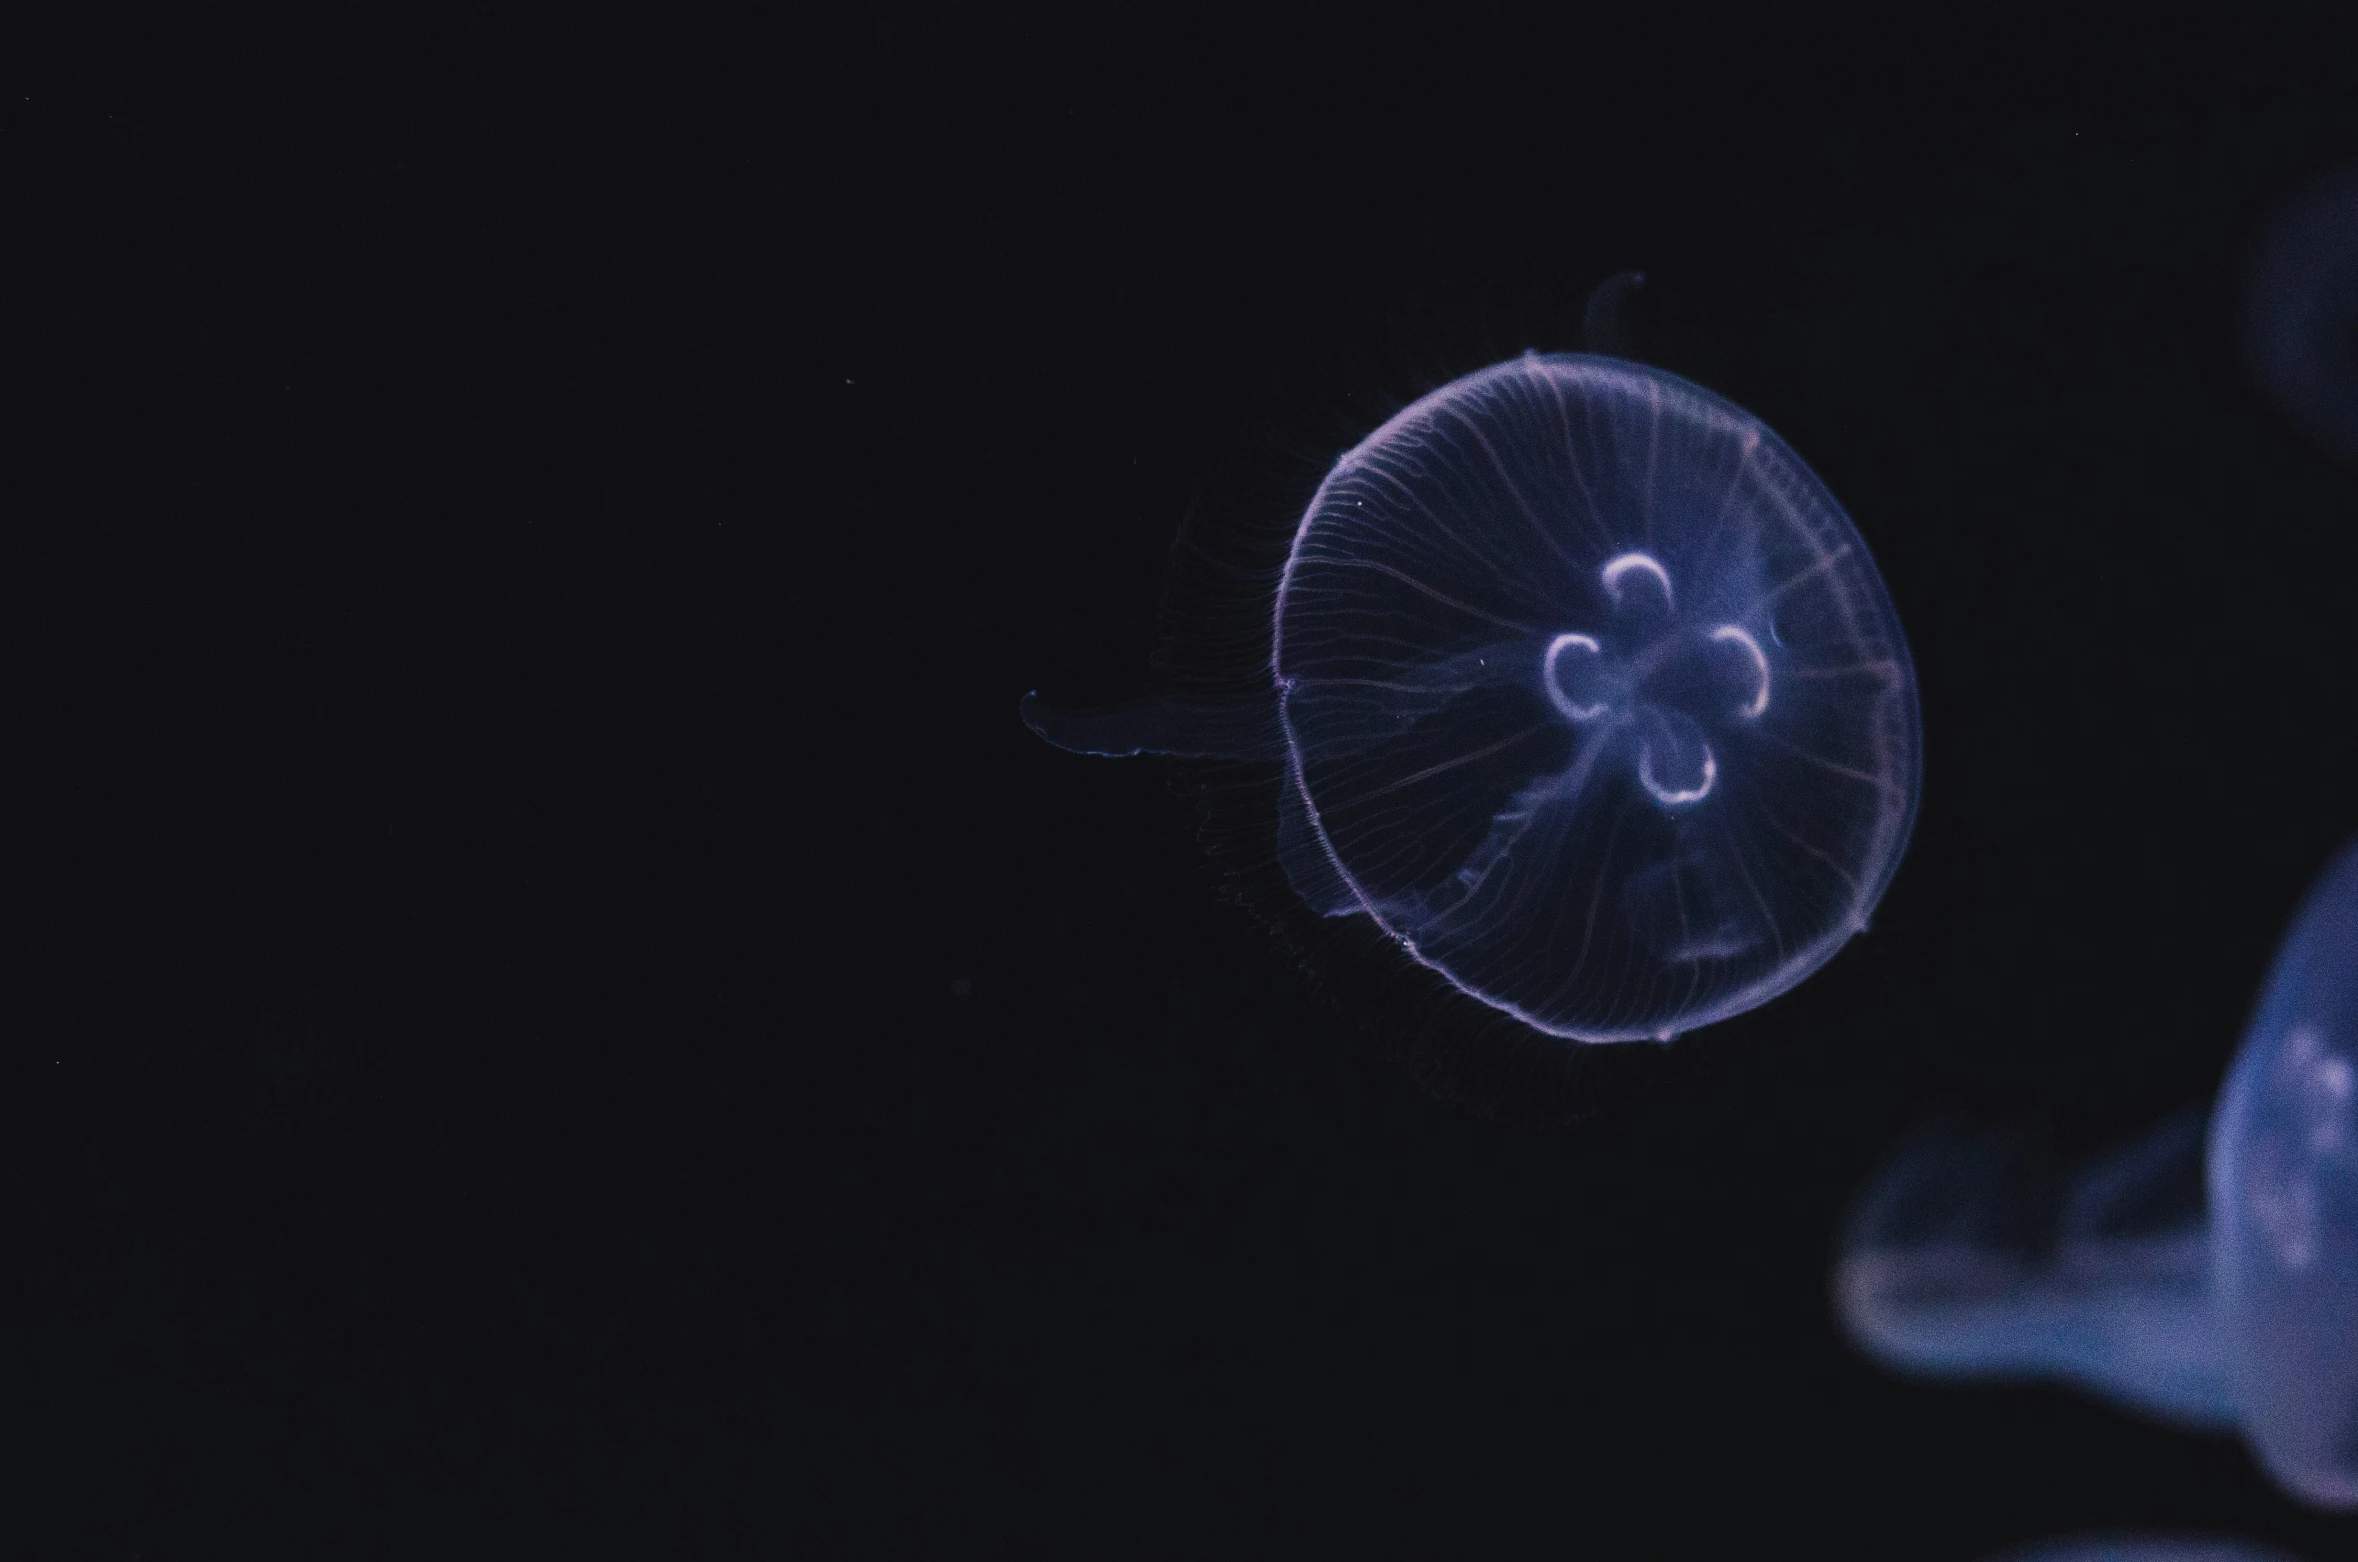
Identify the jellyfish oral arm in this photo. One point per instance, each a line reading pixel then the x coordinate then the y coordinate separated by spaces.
pixel 2147 1347
pixel 2116 1298
pixel 1241 727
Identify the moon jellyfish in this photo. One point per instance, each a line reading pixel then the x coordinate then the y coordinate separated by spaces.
pixel 1585 692
pixel 2302 311
pixel 2141 1548
pixel 2220 1295
pixel 2284 1203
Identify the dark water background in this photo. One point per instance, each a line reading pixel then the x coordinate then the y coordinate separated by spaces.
pixel 559 1013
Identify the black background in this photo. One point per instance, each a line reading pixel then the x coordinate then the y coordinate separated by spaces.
pixel 559 1013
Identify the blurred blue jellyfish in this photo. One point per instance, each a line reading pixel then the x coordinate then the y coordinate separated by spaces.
pixel 2222 1300
pixel 2141 1548
pixel 2284 1203
pixel 1971 1259
pixel 2301 326
pixel 1586 692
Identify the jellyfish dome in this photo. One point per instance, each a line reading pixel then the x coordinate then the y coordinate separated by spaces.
pixel 1593 700
pixel 2284 1203
pixel 2302 311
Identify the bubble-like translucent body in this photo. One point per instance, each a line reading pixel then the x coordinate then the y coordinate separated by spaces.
pixel 2302 311
pixel 1593 699
pixel 1968 1260
pixel 2238 1311
pixel 2284 1203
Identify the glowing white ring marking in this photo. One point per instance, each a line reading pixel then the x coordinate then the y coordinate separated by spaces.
pixel 1616 568
pixel 1555 691
pixel 1729 634
pixel 1669 799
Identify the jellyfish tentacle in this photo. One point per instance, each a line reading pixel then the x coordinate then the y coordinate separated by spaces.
pixel 1187 727
pixel 1964 1262
pixel 1605 325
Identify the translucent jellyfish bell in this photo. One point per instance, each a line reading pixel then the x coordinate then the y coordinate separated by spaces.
pixel 2284 1203
pixel 2224 1295
pixel 1587 693
pixel 2301 311
pixel 1595 699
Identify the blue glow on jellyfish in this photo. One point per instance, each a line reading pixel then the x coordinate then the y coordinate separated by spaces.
pixel 1587 693
pixel 2302 311
pixel 1969 1261
pixel 2222 1296
pixel 2284 1203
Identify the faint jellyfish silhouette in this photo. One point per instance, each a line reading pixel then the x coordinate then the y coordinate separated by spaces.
pixel 2284 1203
pixel 1586 691
pixel 1607 323
pixel 2141 1548
pixel 1971 1259
pixel 2210 1296
pixel 2301 311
